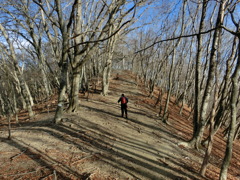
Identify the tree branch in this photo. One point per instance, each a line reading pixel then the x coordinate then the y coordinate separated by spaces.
pixel 100 40
pixel 174 38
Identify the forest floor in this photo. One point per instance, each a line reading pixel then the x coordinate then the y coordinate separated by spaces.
pixel 97 143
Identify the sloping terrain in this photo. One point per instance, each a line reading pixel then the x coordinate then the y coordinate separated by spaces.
pixel 97 143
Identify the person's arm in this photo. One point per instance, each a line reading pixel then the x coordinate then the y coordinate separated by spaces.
pixel 119 100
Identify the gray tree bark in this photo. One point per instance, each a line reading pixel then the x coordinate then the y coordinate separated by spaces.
pixel 233 124
pixel 197 137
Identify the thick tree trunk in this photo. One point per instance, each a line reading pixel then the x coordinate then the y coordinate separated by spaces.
pixel 61 94
pixel 73 99
pixel 108 66
pixel 63 62
pixel 28 93
pixel 27 96
pixel 106 77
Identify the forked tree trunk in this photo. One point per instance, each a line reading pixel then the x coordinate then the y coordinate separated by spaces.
pixel 64 28
pixel 75 82
pixel 61 94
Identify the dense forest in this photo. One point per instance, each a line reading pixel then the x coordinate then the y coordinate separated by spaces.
pixel 188 48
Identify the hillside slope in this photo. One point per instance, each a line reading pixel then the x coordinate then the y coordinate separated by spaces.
pixel 97 143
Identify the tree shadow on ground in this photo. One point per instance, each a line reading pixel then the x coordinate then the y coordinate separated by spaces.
pixel 44 160
pixel 110 154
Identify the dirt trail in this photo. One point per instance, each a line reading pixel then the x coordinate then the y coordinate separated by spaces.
pixel 96 143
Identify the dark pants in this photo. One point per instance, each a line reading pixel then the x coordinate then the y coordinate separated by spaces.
pixel 124 109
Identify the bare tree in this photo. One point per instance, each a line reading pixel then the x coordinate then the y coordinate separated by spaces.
pixel 233 102
pixel 200 126
pixel 10 52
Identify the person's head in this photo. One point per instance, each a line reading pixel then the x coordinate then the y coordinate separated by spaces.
pixel 122 94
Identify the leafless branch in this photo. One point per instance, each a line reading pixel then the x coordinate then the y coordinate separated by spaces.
pixel 15 156
pixel 174 38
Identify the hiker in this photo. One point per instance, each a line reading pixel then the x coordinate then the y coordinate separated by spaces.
pixel 124 101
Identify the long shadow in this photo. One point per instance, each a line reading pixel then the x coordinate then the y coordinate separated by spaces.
pixel 132 141
pixel 118 107
pixel 131 106
pixel 98 143
pixel 133 120
pixel 136 161
pixel 103 146
pixel 16 143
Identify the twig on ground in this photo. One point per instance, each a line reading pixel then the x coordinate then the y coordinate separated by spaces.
pixel 53 174
pixel 70 161
pixel 15 156
pixel 77 161
pixel 163 161
pixel 20 174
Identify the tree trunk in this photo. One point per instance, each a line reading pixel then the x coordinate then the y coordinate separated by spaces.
pixel 73 99
pixel 225 90
pixel 211 132
pixel 188 79
pixel 61 94
pixel 19 76
pixel 231 133
pixel 2 105
pixel 64 28
pixel 197 71
pixel 170 84
pixel 9 117
pixel 196 140
pixel 15 105
pixel 45 82
pixel 106 76
pixel 108 66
